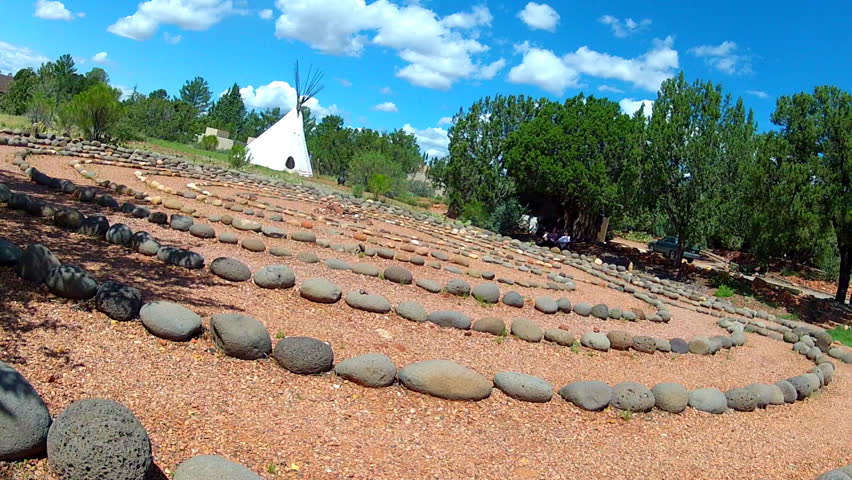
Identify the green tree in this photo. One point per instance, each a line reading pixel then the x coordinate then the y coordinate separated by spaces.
pixel 228 113
pixel 96 111
pixel 196 92
pixel 379 184
pixel 437 172
pixel 96 75
pixel 331 146
pixel 368 163
pixel 16 100
pixel 818 128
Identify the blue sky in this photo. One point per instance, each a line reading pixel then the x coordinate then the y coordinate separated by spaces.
pixel 396 64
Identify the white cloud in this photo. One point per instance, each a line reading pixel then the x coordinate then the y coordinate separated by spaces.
pixel 197 15
pixel 445 121
pixel 607 88
pixel 545 70
pixel 432 141
pixel 280 94
pixel 265 14
pixel 100 57
pixel 630 106
pixel 52 10
pixel 386 107
pixel 14 58
pixel 539 16
pixel 626 27
pixel 386 91
pixel 172 39
pixel 758 93
pixel 724 57
pixel 492 69
pixel 126 92
pixel 438 51
pixel 344 82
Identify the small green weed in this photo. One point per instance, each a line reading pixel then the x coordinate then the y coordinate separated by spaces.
pixel 272 469
pixel 625 415
pixel 575 347
pixel 502 337
pixel 724 291
pixel 280 334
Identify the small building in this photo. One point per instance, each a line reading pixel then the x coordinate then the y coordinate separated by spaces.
pixel 224 144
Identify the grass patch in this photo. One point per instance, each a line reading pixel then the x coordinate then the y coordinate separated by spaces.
pixel 789 316
pixel 15 122
pixel 724 291
pixel 641 237
pixel 842 333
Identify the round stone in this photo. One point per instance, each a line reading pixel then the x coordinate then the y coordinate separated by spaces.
pixel 24 418
pixel 670 397
pixel 94 226
pixel 304 236
pixel 411 311
pixel 362 300
pixel 513 299
pixel 275 276
pixel 170 321
pixel 181 223
pixel 272 232
pixel 521 386
pixel 118 301
pixel 229 238
pixel 564 305
pixel 240 336
pixel 595 340
pixel 320 290
pixel 336 264
pixel 491 325
pixel 213 467
pixel 588 395
pixel 788 391
pixel 710 400
pixel 71 281
pixel 583 309
pixel 457 287
pixel 253 244
pixel 245 225
pixel 559 337
pixel 546 305
pixel 398 275
pixel 98 438
pixel 450 318
pixel 445 379
pixel 180 257
pixel 679 345
pixel 741 399
pixel 430 286
pixel 307 257
pixel 366 269
pixel 280 252
pixel 158 218
pixel 645 344
pixel 385 253
pixel 119 234
pixel 620 340
pixel 600 311
pixel 766 394
pixel 486 293
pixel 304 355
pixel 527 330
pixel 68 218
pixel 633 397
pixel 202 230
pixel 700 346
pixel 373 370
pixel 230 269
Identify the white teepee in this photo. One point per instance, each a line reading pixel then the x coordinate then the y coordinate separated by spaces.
pixel 282 146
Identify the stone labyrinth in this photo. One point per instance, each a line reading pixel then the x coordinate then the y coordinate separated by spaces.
pixel 217 321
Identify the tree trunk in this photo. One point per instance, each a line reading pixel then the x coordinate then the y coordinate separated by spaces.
pixel 678 260
pixel 845 270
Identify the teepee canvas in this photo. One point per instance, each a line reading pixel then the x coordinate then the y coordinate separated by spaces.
pixel 282 146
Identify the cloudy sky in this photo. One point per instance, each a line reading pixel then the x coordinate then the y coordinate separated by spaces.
pixel 413 64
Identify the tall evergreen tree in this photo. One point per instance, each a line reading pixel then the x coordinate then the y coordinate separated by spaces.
pixel 228 113
pixel 196 92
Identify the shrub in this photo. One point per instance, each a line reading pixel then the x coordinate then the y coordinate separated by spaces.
pixel 358 191
pixel 96 111
pixel 421 188
pixel 724 291
pixel 238 157
pixel 209 142
pixel 379 184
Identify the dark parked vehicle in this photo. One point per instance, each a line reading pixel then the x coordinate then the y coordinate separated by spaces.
pixel 668 247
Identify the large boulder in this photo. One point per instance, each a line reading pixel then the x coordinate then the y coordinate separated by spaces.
pixel 588 395
pixel 527 330
pixel 240 336
pixel 670 397
pixel 230 269
pixel 304 355
pixel 450 318
pixel 371 370
pixel 10 254
pixel 486 293
pixel 320 290
pixel 71 281
pixel 397 274
pixel 521 386
pixel 118 301
pixel 445 379
pixel 98 438
pixel 710 400
pixel 633 397
pixel 213 467
pixel 36 263
pixel 275 276
pixel 170 321
pixel 24 418
pixel 361 300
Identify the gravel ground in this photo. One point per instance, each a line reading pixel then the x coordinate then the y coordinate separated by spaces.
pixel 195 401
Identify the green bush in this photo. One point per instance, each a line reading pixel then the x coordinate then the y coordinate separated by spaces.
pixel 369 163
pixel 238 157
pixel 96 111
pixel 421 188
pixel 379 184
pixel 358 191
pixel 209 142
pixel 724 291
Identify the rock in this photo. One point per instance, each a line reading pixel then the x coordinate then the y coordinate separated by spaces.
pixel 445 379
pixel 837 474
pixel 588 395
pixel 240 336
pixel 600 311
pixel 98 438
pixel 457 287
pixel 521 386
pixel 24 418
pixel 275 276
pixel 253 244
pixel 118 301
pixel 385 253
pixel 766 394
pixel 180 257
pixel 803 385
pixel 304 355
pixel 10 254
pixel 94 226
pixel 320 290
pixel 486 293
pixel 788 391
pixel 492 325
pixel 645 344
pixel 398 275
pixel 564 305
pixel 336 264
pixel 710 400
pixel 303 236
pixel 620 340
pixel 596 341
pixel 68 218
pixel 513 299
pixel 245 225
pixel 35 263
pixel 738 339
pixel 230 269
pixel 71 281
pixel 119 234
pixel 430 286
pixel 307 257
pixel 411 311
pixel 583 309
pixel 229 238
pixel 670 397
pixel 366 269
pixel 213 467
pixel 373 370
pixel 181 223
pixel 679 345
pixel 170 321
pixel 741 399
pixel 700 346
pixel 633 397
pixel 202 230
pixel 546 305
pixel 158 218
pixel 559 337
pixel 280 252
pixel 362 300
pixel 272 232
pixel 525 329
pixel 450 318
pixel 663 345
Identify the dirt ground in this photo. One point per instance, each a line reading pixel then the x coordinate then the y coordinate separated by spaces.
pixel 193 400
